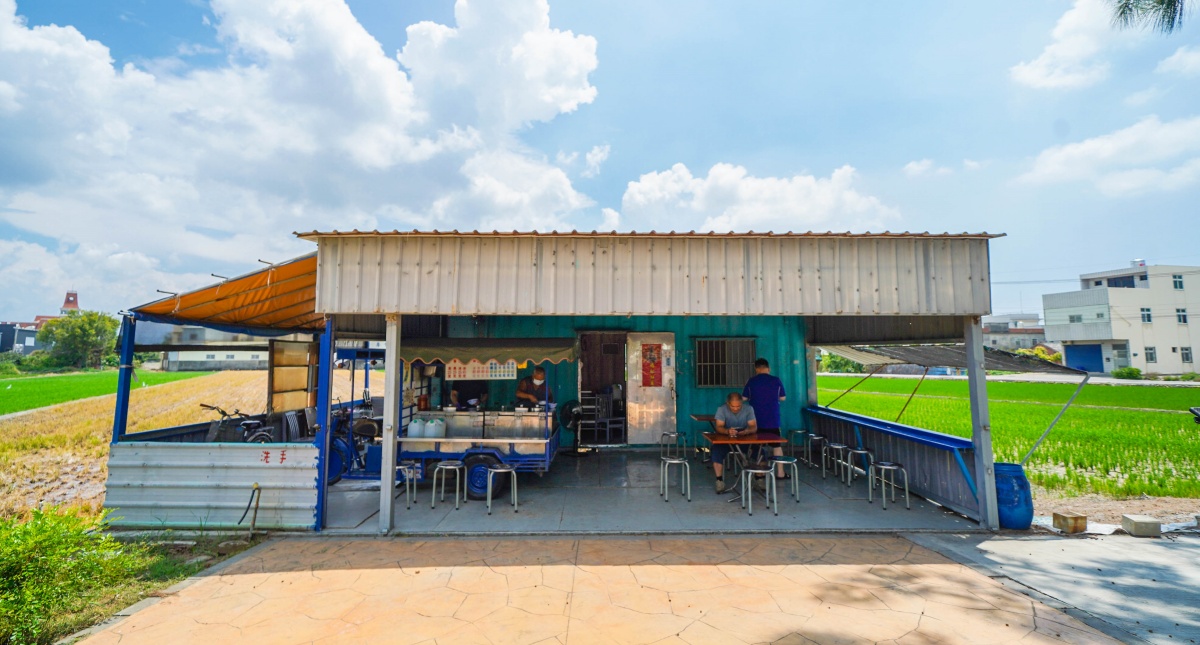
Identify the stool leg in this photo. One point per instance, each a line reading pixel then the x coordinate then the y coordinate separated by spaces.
pixel 687 479
pixel 883 487
pixel 747 491
pixel 906 503
pixel 774 492
pixel 513 477
pixel 464 485
pixel 662 476
pixel 824 451
pixel 433 489
pixel 666 482
pixel 489 492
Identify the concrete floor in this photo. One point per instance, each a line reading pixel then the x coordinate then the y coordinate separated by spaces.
pixel 767 589
pixel 616 492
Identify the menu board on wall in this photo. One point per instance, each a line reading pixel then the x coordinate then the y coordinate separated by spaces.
pixel 652 369
pixel 475 371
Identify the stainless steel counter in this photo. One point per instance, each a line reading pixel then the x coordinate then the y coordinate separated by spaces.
pixel 508 424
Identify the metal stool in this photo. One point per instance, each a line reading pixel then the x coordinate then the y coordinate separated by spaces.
pixel 668 445
pixel 790 462
pixel 851 453
pixel 789 436
pixel 495 469
pixel 443 468
pixel 748 475
pixel 809 439
pixel 664 476
pixel 408 469
pixel 883 468
pixel 828 456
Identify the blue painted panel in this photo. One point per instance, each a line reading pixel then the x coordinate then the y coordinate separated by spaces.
pixel 1084 357
pixel 779 339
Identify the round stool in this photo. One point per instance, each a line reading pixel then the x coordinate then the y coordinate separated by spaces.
pixel 828 456
pixel 748 475
pixel 883 468
pixel 664 476
pixel 492 471
pixel 790 463
pixel 809 440
pixel 444 468
pixel 668 445
pixel 408 469
pixel 851 453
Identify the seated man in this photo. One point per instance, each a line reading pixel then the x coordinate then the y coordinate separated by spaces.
pixel 733 419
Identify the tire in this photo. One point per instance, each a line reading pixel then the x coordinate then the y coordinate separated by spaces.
pixel 339 461
pixel 262 436
pixel 477 466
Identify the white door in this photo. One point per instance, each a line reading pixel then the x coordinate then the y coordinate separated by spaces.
pixel 650 396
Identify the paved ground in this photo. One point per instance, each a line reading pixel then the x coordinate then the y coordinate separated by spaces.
pixel 1148 589
pixel 613 590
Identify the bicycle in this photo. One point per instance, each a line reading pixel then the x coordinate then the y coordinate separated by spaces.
pixel 252 430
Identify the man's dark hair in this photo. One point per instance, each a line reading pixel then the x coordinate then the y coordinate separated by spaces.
pixel 541 369
pixel 762 362
pixel 733 396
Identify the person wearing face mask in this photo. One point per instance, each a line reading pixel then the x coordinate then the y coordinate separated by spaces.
pixel 533 389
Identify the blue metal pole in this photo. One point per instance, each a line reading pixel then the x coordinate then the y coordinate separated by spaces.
pixel 124 378
pixel 324 381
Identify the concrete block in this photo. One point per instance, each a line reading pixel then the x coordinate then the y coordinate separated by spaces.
pixel 1141 525
pixel 1070 522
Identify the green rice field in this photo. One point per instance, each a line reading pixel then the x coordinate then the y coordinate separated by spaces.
pixel 1120 441
pixel 27 393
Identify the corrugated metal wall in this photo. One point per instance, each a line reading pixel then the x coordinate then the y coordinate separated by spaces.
pixel 779 339
pixel 207 485
pixel 653 276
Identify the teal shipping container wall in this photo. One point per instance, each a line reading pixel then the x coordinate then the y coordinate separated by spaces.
pixel 779 339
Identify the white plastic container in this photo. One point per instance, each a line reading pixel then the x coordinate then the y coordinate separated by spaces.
pixel 416 429
pixel 435 429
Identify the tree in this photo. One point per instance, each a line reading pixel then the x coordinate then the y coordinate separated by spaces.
pixel 837 364
pixel 80 339
pixel 1163 15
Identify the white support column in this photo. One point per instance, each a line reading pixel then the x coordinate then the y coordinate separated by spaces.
pixel 393 394
pixel 981 423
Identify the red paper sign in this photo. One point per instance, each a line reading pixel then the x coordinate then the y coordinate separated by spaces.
pixel 652 371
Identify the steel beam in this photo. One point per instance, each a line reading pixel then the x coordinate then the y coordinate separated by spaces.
pixel 981 423
pixel 393 395
pixel 124 377
pixel 322 440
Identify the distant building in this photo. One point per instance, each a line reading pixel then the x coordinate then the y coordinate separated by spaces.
pixel 1133 317
pixel 20 338
pixel 70 303
pixel 225 355
pixel 1013 331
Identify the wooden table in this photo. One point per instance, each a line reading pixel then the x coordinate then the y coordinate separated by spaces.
pixel 756 439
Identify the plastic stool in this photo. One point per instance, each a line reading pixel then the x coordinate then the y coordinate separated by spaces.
pixel 790 463
pixel 408 469
pixel 443 468
pixel 495 469
pixel 828 456
pixel 664 476
pixel 883 468
pixel 851 453
pixel 748 475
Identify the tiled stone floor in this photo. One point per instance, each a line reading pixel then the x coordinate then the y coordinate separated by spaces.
pixel 616 590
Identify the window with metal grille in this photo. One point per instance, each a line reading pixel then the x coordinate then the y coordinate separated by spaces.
pixel 1181 316
pixel 1146 317
pixel 1074 318
pixel 1151 355
pixel 724 362
pixel 1177 281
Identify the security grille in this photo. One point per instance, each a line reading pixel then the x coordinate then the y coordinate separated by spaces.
pixel 724 362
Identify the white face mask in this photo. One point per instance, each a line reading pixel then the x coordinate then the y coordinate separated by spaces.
pixel 538 381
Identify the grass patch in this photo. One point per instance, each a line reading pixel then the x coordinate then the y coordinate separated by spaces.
pixel 28 392
pixel 1107 450
pixel 1118 396
pixel 60 572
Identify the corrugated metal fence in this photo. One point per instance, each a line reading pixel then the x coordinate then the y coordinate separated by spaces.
pixel 208 485
pixel 938 465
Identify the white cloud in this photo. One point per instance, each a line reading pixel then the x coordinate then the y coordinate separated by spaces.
pixel 925 167
pixel 1185 60
pixel 1147 156
pixel 611 221
pixel 730 199
pixel 1070 61
pixel 305 124
pixel 971 164
pixel 1143 97
pixel 594 159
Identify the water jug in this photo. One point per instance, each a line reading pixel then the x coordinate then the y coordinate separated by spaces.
pixel 1014 501
pixel 416 429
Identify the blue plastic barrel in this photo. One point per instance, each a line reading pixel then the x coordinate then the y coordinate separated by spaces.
pixel 1014 501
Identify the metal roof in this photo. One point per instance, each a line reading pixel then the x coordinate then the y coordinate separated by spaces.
pixel 281 297
pixel 312 235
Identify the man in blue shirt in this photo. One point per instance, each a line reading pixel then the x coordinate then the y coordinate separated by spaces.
pixel 765 391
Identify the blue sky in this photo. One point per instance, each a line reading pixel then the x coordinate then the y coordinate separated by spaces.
pixel 146 144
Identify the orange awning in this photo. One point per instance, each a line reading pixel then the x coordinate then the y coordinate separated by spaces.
pixel 280 297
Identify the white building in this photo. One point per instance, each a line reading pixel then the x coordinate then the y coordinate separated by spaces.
pixel 1135 317
pixel 1013 331
pixel 208 350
